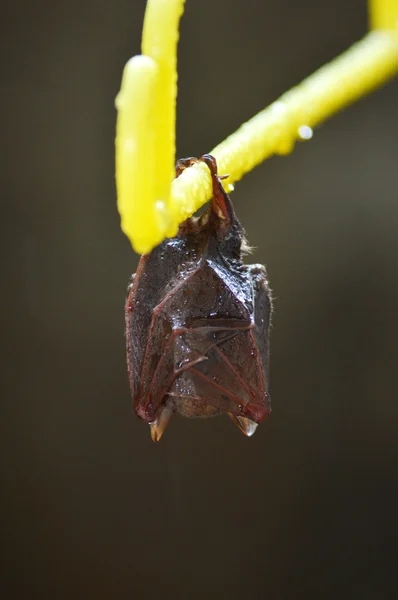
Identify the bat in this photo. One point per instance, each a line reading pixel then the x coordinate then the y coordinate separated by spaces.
pixel 197 322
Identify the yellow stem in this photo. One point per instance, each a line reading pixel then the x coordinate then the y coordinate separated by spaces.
pixel 383 14
pixel 145 133
pixel 159 42
pixel 362 68
pixel 150 202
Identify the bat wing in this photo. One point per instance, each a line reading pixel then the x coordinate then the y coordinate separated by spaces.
pixel 224 381
pixel 177 340
pixel 234 378
pixel 181 350
pixel 145 292
pixel 201 349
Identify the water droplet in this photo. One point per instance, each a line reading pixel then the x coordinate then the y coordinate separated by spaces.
pixel 305 132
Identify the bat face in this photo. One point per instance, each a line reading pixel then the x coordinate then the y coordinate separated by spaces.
pixel 197 323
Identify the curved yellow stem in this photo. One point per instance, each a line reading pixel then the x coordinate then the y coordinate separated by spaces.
pixel 135 172
pixel 151 205
pixel 159 41
pixel 383 14
pixel 145 132
pixel 364 67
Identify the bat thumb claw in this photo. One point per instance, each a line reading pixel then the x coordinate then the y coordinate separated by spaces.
pixel 159 425
pixel 246 425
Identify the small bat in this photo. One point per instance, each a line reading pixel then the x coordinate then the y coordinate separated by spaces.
pixel 197 322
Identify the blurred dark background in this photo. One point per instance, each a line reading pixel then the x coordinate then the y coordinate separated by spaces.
pixel 92 508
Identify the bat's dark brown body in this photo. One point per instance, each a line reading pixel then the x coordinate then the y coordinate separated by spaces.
pixel 197 322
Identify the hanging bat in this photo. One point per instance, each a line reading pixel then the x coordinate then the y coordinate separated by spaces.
pixel 197 322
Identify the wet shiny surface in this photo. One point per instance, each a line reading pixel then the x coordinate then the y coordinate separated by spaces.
pixel 91 507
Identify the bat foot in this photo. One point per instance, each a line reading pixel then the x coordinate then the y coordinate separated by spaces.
pixel 159 425
pixel 246 425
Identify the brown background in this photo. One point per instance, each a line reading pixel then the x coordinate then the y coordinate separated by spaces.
pixel 91 507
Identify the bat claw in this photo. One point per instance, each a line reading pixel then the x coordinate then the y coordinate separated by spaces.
pixel 246 425
pixel 159 425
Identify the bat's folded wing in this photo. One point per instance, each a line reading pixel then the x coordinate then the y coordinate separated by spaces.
pixel 181 350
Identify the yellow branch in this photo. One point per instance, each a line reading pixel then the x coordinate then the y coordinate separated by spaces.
pixel 364 67
pixel 150 205
pixel 134 176
pixel 145 132
pixel 383 14
pixel 159 42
